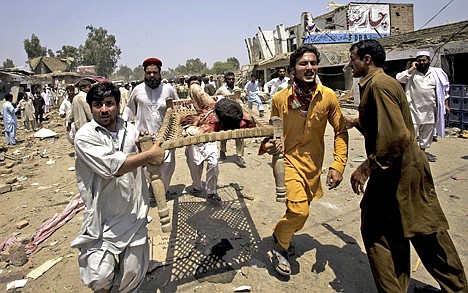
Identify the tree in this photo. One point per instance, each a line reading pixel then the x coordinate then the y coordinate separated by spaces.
pixel 195 66
pixel 138 73
pixel 231 64
pixel 182 70
pixel 169 73
pixel 100 50
pixel 33 47
pixel 125 72
pixel 8 63
pixel 51 53
pixel 71 54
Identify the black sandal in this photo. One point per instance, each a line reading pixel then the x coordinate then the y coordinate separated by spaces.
pixel 280 260
pixel 291 248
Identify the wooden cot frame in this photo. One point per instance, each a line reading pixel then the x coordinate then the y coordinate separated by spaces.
pixel 171 135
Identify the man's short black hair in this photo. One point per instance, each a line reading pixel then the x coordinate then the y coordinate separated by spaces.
pixel 372 48
pixel 9 97
pixel 301 51
pixel 229 73
pixel 84 83
pixel 229 113
pixel 100 91
pixel 70 87
pixel 192 78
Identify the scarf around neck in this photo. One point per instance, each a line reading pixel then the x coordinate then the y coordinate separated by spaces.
pixel 301 97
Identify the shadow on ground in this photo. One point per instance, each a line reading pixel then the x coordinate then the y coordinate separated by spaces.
pixel 212 241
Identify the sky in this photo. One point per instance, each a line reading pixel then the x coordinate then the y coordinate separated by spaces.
pixel 173 30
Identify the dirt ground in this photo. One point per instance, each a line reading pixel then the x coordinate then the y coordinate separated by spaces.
pixel 329 252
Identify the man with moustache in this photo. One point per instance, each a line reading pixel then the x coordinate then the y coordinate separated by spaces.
pixel 228 88
pixel 427 89
pixel 113 244
pixel 66 109
pixel 304 107
pixel 80 113
pixel 147 105
pixel 277 84
pixel 399 204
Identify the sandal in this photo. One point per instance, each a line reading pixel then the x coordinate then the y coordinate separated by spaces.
pixel 213 197
pixel 280 261
pixel 291 248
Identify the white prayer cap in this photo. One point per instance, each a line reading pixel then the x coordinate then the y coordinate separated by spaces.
pixel 423 53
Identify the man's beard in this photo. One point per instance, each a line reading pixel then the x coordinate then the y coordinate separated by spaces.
pixel 422 67
pixel 153 82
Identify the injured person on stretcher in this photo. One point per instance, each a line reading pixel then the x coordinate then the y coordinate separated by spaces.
pixel 213 113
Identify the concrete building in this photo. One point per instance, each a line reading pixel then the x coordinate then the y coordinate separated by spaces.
pixel 332 33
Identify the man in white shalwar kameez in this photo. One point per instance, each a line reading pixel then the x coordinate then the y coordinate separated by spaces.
pixel 27 114
pixel 9 120
pixel 252 94
pixel 47 96
pixel 196 156
pixel 427 90
pixel 113 238
pixel 277 84
pixel 147 106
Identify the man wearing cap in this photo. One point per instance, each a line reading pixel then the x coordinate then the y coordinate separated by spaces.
pixel 182 87
pixel 212 82
pixel 427 92
pixel 147 105
pixel 47 96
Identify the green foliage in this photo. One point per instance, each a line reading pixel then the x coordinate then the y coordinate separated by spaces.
pixel 8 63
pixel 182 70
pixel 100 50
pixel 231 64
pixel 72 54
pixel 197 67
pixel 33 47
pixel 124 71
pixel 138 73
pixel 169 73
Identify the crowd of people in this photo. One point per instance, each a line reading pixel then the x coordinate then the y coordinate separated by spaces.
pixel 104 121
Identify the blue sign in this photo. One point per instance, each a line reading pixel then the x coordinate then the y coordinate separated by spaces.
pixel 331 38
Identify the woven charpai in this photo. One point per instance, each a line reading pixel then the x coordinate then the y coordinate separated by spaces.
pixel 171 130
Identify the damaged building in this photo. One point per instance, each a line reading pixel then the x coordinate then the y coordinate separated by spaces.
pixel 48 69
pixel 334 32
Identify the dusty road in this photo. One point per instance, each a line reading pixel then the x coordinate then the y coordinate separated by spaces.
pixel 329 252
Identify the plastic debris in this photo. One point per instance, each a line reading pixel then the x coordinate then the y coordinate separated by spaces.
pixel 45 133
pixel 16 284
pixel 243 288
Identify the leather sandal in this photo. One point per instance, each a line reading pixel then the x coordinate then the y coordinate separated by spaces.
pixel 291 248
pixel 280 261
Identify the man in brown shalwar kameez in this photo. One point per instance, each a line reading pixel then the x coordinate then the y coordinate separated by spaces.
pixel 399 203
